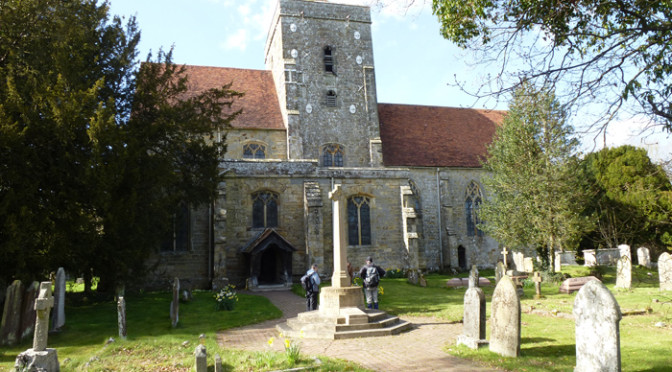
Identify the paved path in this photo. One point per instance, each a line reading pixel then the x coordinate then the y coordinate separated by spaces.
pixel 419 349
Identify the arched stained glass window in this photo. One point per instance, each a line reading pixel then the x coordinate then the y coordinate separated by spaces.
pixel 264 209
pixel 472 204
pixel 359 220
pixel 254 151
pixel 332 155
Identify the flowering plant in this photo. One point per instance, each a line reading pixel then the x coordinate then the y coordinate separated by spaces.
pixel 226 298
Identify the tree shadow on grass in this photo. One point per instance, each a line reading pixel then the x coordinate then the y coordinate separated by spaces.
pixel 546 351
pixel 532 340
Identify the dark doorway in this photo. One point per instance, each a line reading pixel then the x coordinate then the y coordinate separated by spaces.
pixel 270 266
pixel 269 256
pixel 462 257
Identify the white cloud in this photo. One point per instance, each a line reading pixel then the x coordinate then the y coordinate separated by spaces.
pixel 640 133
pixel 237 40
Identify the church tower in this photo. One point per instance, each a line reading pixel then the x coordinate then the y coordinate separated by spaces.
pixel 321 57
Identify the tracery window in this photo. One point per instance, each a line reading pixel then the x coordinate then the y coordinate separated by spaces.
pixel 471 206
pixel 254 151
pixel 359 220
pixel 264 209
pixel 332 155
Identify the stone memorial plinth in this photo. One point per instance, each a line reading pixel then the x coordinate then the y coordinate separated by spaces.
pixel 574 284
pixel 597 316
pixel 505 319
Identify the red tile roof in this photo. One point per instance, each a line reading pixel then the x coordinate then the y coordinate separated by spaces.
pixel 426 136
pixel 261 109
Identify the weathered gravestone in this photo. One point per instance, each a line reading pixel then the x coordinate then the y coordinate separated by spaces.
pixel 623 273
pixel 537 285
pixel 528 264
pixel 519 261
pixel 121 317
pixel 574 284
pixel 58 316
pixel 597 314
pixel 28 311
pixel 500 270
pixel 664 272
pixel 218 363
pixel 589 258
pixel 644 257
pixel 40 358
pixel 201 359
pixel 624 250
pixel 505 319
pixel 11 316
pixel 473 325
pixel 175 304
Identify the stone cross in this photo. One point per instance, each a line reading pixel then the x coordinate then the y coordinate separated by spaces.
pixel 340 276
pixel 537 284
pixel 505 319
pixel 597 314
pixel 505 254
pixel 43 305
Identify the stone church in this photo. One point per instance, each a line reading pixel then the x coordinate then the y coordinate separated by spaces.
pixel 309 121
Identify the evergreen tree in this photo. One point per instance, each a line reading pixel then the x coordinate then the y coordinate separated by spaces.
pixel 535 190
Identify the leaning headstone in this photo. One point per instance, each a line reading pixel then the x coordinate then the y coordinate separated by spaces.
pixel 624 250
pixel 500 269
pixel 218 363
pixel 121 317
pixel 664 272
pixel 201 359
pixel 40 358
pixel 597 314
pixel 644 257
pixel 58 316
pixel 28 311
pixel 623 273
pixel 528 264
pixel 11 316
pixel 175 304
pixel 505 319
pixel 574 284
pixel 473 328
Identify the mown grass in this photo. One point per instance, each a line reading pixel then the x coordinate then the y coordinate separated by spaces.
pixel 152 344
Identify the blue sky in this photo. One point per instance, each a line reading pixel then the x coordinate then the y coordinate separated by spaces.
pixel 414 64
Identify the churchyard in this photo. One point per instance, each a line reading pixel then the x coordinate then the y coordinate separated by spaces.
pixel 547 327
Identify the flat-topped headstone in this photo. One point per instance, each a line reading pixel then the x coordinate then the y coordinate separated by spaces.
pixel 28 311
pixel 597 316
pixel 644 257
pixel 624 273
pixel 175 304
pixel 500 271
pixel 505 319
pixel 624 250
pixel 11 316
pixel 518 261
pixel 528 264
pixel 589 258
pixel 537 284
pixel 58 316
pixel 664 271
pixel 473 324
pixel 574 284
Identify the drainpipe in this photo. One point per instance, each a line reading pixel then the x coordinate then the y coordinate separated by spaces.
pixel 438 209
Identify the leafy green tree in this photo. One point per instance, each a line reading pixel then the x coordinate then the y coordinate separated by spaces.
pixel 535 191
pixel 606 50
pixel 96 151
pixel 632 200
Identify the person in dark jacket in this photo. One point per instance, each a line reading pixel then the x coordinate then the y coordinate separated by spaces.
pixel 312 279
pixel 371 275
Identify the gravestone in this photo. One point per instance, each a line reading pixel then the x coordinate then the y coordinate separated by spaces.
pixel 505 319
pixel 11 316
pixel 608 256
pixel 505 257
pixel 528 264
pixel 473 328
pixel 537 285
pixel 624 250
pixel 28 311
pixel 519 261
pixel 218 363
pixel 644 257
pixel 175 304
pixel 58 316
pixel 500 269
pixel 664 272
pixel 121 317
pixel 624 273
pixel 201 359
pixel 423 281
pixel 597 314
pixel 557 263
pixel 589 258
pixel 40 358
pixel 574 284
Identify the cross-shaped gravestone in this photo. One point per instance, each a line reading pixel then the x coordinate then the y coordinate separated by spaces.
pixel 537 284
pixel 505 254
pixel 43 305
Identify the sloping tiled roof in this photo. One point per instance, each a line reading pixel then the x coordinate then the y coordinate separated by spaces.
pixel 261 109
pixel 427 136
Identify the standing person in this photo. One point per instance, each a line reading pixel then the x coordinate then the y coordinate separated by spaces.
pixel 371 275
pixel 311 283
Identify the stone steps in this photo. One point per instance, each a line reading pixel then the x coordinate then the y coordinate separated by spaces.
pixel 314 325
